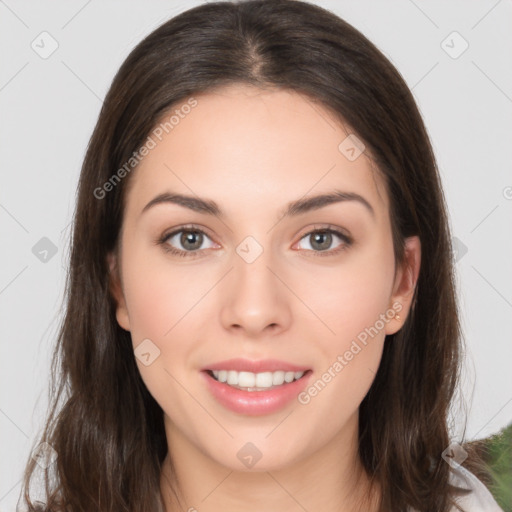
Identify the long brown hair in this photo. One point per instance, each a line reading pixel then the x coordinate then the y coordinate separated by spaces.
pixel 106 428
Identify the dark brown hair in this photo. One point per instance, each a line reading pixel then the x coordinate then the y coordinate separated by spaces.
pixel 105 426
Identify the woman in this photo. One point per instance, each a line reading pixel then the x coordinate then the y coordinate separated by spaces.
pixel 302 352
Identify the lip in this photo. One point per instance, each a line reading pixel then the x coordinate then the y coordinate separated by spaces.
pixel 255 403
pixel 264 365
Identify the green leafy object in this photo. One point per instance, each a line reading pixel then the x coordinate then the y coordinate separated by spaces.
pixel 497 454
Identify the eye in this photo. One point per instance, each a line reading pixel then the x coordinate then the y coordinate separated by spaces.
pixel 322 238
pixel 189 238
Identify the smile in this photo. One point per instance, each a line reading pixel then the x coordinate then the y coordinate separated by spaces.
pixel 255 394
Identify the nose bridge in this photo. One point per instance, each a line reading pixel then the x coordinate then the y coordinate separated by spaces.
pixel 256 298
pixel 252 263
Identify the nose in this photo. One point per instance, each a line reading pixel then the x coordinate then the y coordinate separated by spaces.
pixel 255 300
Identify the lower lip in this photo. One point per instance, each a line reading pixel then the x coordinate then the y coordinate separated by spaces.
pixel 255 403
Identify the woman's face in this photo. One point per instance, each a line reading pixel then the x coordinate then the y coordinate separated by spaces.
pixel 257 285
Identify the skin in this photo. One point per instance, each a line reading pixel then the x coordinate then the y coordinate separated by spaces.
pixel 252 151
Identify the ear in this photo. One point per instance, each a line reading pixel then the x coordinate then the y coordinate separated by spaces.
pixel 405 284
pixel 117 292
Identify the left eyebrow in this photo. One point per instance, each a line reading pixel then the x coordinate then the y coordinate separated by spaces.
pixel 294 208
pixel 316 202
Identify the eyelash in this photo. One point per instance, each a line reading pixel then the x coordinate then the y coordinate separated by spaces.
pixel 347 241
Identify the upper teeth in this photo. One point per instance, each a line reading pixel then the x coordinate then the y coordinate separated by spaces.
pixel 258 380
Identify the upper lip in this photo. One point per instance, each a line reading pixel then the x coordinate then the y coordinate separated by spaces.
pixel 263 365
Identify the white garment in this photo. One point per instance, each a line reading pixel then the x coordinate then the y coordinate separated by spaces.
pixel 480 500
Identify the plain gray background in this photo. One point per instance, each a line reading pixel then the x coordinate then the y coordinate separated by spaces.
pixel 48 110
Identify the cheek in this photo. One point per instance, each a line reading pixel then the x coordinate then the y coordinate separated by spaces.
pixel 349 298
pixel 159 294
pixel 352 307
pixel 161 300
pixel 165 303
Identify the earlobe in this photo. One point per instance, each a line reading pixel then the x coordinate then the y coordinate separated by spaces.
pixel 117 292
pixel 405 284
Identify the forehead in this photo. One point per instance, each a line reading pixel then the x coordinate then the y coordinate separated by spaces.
pixel 246 147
